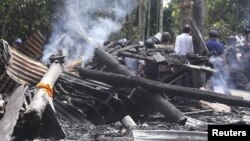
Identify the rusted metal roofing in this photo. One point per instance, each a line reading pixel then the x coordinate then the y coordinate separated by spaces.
pixel 33 46
pixel 20 62
pixel 20 67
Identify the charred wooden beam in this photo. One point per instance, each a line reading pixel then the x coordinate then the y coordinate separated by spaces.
pixel 176 115
pixel 174 61
pixel 108 60
pixel 136 56
pixel 11 116
pixel 200 112
pixel 175 76
pixel 100 92
pixel 117 79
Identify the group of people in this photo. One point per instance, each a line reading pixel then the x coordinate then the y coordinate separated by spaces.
pixel 184 46
pixel 232 72
pixel 143 68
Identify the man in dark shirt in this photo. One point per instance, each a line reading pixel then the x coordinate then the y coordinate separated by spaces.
pixel 215 47
pixel 216 50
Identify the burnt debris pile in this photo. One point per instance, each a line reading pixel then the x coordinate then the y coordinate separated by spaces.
pixel 103 99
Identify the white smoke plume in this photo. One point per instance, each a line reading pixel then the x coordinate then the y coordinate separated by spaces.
pixel 219 80
pixel 93 20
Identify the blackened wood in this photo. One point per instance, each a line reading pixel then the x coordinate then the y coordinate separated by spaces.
pixel 113 64
pixel 11 116
pixel 81 85
pixel 175 76
pixel 156 86
pixel 178 117
pixel 168 60
pixel 136 56
pixel 108 60
pixel 71 113
pixel 200 112
pixel 161 105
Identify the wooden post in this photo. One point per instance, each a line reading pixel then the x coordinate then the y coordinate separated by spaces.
pixel 43 96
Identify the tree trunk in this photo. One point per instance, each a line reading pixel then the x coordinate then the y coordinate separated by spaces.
pixel 199 14
pixel 160 87
pixel 160 15
pixel 142 18
pixel 185 12
pixel 199 19
pixel 148 18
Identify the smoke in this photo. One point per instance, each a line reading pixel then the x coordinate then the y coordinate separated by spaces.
pixel 218 79
pixel 84 24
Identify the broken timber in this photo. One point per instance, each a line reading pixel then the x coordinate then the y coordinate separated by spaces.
pixel 166 108
pixel 167 61
pixel 117 79
pixel 44 94
pixel 9 120
pixel 108 60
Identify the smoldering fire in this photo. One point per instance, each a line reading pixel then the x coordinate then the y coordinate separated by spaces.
pixel 80 16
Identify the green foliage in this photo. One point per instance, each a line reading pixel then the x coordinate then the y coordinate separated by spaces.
pixel 20 18
pixel 224 15
pixel 175 21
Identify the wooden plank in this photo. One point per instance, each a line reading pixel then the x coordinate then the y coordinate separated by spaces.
pixel 218 107
pixel 198 35
pixel 172 135
pixel 9 120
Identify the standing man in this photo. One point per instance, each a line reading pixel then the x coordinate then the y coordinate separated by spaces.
pixel 183 47
pixel 218 80
pixel 184 42
pixel 215 47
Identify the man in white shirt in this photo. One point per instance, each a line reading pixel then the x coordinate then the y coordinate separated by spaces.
pixel 184 42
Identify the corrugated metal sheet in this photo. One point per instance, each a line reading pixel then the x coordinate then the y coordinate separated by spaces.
pixel 25 70
pixel 33 46
pixel 22 68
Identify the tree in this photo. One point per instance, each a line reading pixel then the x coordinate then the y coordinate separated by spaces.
pixel 142 6
pixel 160 15
pixel 20 18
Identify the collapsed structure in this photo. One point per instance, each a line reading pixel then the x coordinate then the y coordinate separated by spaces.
pixel 102 92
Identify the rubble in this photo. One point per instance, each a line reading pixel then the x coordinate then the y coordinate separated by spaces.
pixel 96 103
